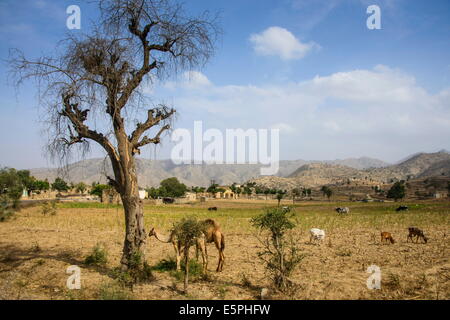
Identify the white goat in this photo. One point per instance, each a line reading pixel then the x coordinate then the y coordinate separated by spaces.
pixel 316 234
pixel 344 210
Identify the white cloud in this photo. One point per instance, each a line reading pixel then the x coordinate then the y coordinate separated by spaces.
pixel 277 41
pixel 189 80
pixel 195 79
pixel 358 112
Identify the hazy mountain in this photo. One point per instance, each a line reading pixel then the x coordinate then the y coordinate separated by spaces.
pixel 324 173
pixel 151 172
pixel 421 165
pixel 360 163
pixel 441 168
pixel 419 153
pixel 416 166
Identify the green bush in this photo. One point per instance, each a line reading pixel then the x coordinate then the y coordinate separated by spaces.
pixel 142 272
pixel 6 208
pixel 98 256
pixel 97 190
pixel 280 255
pixel 187 230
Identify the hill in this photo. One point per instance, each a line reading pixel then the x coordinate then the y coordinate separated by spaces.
pixel 362 171
pixel 151 172
pixel 421 165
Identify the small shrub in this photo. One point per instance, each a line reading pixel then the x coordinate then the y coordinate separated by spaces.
pixel 122 277
pixel 280 255
pixel 139 271
pixel 393 281
pixel 187 230
pixel 48 207
pixel 7 208
pixel 98 256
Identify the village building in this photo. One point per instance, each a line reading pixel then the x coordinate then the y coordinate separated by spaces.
pixel 227 194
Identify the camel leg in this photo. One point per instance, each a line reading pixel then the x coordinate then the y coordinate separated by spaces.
pixel 218 243
pixel 222 249
pixel 202 247
pixel 222 260
pixel 206 254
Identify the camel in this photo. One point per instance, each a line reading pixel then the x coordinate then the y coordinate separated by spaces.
pixel 211 233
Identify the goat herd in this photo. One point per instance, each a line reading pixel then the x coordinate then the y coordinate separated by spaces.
pixel 213 234
pixel 319 235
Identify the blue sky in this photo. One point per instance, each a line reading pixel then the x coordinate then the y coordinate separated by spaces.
pixel 311 68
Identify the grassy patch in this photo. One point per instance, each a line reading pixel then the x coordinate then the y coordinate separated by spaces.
pixel 165 265
pixel 87 205
pixel 114 291
pixel 195 271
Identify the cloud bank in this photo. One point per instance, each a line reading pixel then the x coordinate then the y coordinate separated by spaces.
pixel 359 112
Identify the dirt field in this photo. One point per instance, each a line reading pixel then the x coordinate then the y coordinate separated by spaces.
pixel 35 251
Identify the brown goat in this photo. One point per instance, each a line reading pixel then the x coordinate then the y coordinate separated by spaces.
pixel 416 232
pixel 386 236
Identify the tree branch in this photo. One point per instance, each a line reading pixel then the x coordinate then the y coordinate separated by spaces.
pixel 77 117
pixel 154 117
pixel 155 140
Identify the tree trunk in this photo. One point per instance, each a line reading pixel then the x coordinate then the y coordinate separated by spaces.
pixel 135 235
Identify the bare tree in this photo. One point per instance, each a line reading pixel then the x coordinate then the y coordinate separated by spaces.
pixel 93 90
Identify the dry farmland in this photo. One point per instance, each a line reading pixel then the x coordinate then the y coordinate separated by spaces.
pixel 36 249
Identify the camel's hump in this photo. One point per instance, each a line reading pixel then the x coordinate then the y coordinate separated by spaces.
pixel 211 222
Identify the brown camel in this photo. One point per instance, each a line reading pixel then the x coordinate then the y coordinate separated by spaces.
pixel 211 233
pixel 178 247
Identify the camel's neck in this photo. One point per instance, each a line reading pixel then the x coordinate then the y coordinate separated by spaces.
pixel 163 238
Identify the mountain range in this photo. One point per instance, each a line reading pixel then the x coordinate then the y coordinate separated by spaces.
pixel 292 172
pixel 418 166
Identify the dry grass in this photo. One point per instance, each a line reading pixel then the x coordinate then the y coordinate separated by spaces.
pixel 35 251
